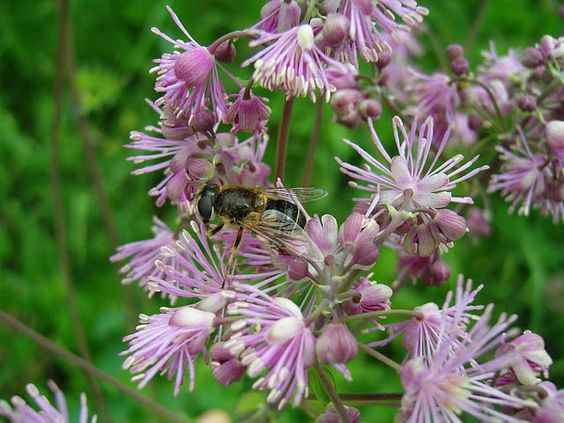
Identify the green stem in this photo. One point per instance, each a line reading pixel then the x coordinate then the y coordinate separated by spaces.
pixel 335 399
pixel 381 313
pixel 282 143
pixel 379 356
pixel 85 365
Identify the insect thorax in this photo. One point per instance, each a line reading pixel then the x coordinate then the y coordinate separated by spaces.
pixel 236 203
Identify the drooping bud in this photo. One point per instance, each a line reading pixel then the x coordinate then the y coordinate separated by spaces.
pixel 342 77
pixel 194 66
pixel 532 57
pixel 198 168
pixel 225 52
pixel 527 103
pixel 460 66
pixel 225 366
pixel 336 29
pixel 336 344
pixel 384 58
pixel 370 109
pixel 475 122
pixel 345 101
pixel 297 269
pixel 173 131
pixel 203 121
pixel 454 51
pixel 451 224
pixel 289 15
pixel 330 415
pixel 436 274
pixel 373 297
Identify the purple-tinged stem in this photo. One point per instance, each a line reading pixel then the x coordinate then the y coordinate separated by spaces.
pixel 58 209
pixel 379 356
pixel 93 168
pixel 85 365
pixel 235 35
pixel 335 399
pixel 313 141
pixel 372 400
pixel 380 313
pixel 282 142
pixel 480 15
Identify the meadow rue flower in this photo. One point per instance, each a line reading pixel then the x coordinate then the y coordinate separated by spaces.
pixel 528 180
pixel 530 359
pixel 422 333
pixel 273 339
pixel 248 112
pixel 478 222
pixel 411 180
pixel 455 379
pixel 430 270
pixel 143 254
pixel 188 78
pixel 555 137
pixel 291 62
pixel 551 409
pixel 370 24
pixel 373 297
pixel 168 342
pixel 21 412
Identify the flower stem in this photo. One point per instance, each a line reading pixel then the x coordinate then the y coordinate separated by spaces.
pixel 313 141
pixel 380 313
pixel 63 254
pixel 230 36
pixel 282 143
pixel 80 362
pixel 335 399
pixel 479 18
pixel 379 356
pixel 374 400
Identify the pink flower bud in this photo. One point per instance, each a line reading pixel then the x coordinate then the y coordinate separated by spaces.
pixel 194 66
pixel 297 269
pixel 203 121
pixel 225 52
pixel 532 57
pixel 198 169
pixel 336 344
pixel 460 66
pixel 455 51
pixel 225 366
pixel 436 274
pixel 330 415
pixel 345 101
pixel 335 30
pixel 175 132
pixel 384 58
pixel 527 103
pixel 342 77
pixel 451 224
pixel 370 109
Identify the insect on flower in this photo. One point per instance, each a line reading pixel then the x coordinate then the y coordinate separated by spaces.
pixel 272 214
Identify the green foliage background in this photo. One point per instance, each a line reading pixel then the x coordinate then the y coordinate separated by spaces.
pixel 520 264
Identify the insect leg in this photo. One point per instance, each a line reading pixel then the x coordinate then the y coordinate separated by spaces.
pixel 234 250
pixel 210 233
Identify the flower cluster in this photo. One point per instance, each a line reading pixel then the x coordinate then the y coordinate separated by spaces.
pixel 260 288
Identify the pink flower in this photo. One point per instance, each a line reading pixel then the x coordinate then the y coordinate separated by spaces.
pixel 248 112
pixel 272 338
pixel 168 342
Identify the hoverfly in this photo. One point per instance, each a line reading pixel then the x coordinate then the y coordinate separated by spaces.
pixel 271 214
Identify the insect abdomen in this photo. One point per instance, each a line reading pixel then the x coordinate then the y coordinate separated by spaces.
pixel 287 208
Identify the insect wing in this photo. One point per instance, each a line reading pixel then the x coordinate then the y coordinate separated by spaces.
pixel 282 232
pixel 301 194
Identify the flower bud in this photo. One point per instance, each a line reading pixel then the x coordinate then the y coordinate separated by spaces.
pixel 478 223
pixel 451 224
pixel 460 66
pixel 343 101
pixel 532 57
pixel 198 169
pixel 475 122
pixel 420 241
pixel 336 29
pixel 370 109
pixel 555 136
pixel 194 66
pixel 192 318
pixel 374 297
pixel 384 58
pixel 436 274
pixel 225 366
pixel 289 15
pixel 175 132
pixel 297 269
pixel 203 121
pixel 336 344
pixel 330 415
pixel 454 51
pixel 350 120
pixel 342 77
pixel 225 52
pixel 551 48
pixel 527 103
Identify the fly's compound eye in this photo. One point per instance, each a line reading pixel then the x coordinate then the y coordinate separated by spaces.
pixel 205 203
